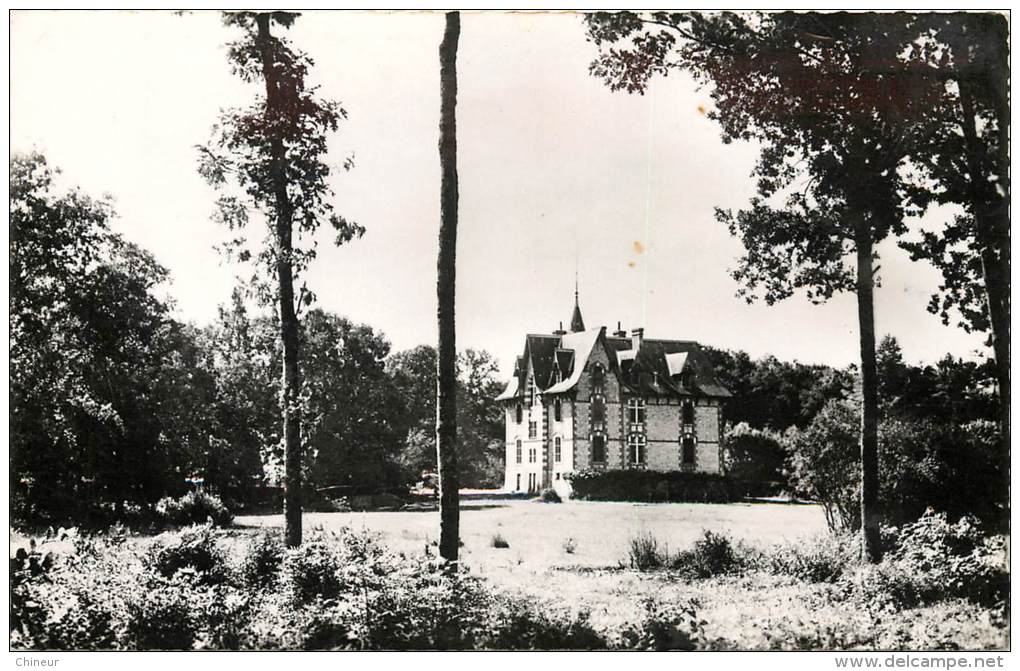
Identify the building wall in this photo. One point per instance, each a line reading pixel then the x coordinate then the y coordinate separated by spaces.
pixel 662 430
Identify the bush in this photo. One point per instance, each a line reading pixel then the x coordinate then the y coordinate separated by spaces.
pixel 933 560
pixel 160 618
pixel 713 554
pixel 823 558
pixel 312 570
pixel 645 554
pixel 755 459
pixel 550 495
pixel 260 563
pixel 958 470
pixel 499 542
pixel 652 486
pixel 194 508
pixel 664 627
pixel 513 623
pixel 192 550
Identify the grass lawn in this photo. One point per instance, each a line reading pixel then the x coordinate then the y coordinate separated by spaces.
pixel 749 612
pixel 537 532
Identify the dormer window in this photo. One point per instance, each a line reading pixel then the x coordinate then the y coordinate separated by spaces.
pixel 533 392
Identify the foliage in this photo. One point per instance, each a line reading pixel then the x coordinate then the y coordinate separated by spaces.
pixel 195 507
pixel 932 560
pixel 479 419
pixel 313 570
pixel 634 485
pixel 193 551
pixel 497 541
pixel 261 559
pixel 160 618
pixel 823 558
pixel 645 553
pixel 756 458
pixel 711 555
pixel 952 468
pixel 665 626
pixel 549 495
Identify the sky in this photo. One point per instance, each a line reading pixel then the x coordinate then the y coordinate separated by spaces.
pixel 558 176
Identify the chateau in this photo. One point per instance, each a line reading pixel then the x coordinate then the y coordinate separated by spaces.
pixel 585 400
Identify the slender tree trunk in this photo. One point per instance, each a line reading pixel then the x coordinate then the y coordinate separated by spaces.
pixel 870 516
pixel 291 382
pixel 446 392
pixel 991 224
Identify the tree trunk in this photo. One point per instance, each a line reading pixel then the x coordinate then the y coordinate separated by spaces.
pixel 446 385
pixel 870 516
pixel 291 382
pixel 991 225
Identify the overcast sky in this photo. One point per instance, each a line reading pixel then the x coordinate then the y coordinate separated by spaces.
pixel 556 173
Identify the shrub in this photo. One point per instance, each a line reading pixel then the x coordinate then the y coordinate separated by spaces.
pixel 713 554
pixel 652 486
pixel 160 618
pixel 524 624
pixel 933 560
pixel 191 550
pixel 261 560
pixel 823 558
pixel 645 554
pixel 664 627
pixel 550 495
pixel 312 571
pixel 755 459
pixel 194 508
pixel 499 542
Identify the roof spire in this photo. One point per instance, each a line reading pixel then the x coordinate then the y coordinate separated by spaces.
pixel 576 322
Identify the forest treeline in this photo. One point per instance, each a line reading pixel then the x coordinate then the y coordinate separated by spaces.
pixel 115 402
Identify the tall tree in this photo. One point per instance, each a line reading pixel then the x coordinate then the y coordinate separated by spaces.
pixel 835 128
pixel 272 153
pixel 446 361
pixel 968 162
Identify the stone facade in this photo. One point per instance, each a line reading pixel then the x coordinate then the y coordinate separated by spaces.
pixel 587 401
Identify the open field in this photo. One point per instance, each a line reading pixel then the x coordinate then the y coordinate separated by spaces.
pixel 601 531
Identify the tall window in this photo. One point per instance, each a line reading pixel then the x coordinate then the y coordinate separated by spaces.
pixel 518 487
pixel 636 448
pixel 687 450
pixel 557 410
pixel 532 429
pixel 636 410
pixel 520 413
pixel 598 448
pixel 533 392
pixel 518 451
pixel 532 455
pixel 557 449
pixel 688 412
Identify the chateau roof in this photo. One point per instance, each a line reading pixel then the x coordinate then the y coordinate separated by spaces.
pixel 657 368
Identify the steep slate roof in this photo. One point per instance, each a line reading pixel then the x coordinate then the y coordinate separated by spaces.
pixel 654 370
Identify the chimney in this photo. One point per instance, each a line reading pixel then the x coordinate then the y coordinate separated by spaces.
pixel 560 330
pixel 635 338
pixel 619 332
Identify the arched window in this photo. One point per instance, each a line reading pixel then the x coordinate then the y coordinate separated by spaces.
pixel 688 412
pixel 519 450
pixel 687 450
pixel 598 449
pixel 636 448
pixel 557 449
